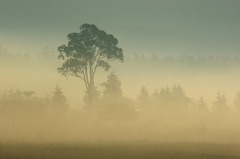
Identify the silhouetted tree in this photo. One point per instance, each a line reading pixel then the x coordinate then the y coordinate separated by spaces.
pixel 202 105
pixel 114 105
pixel 95 98
pixel 145 104
pixel 143 96
pixel 58 100
pixel 112 87
pixel 173 98
pixel 87 51
pixel 237 102
pixel 220 103
pixel 165 94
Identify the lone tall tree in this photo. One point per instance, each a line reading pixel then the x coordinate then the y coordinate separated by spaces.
pixel 87 51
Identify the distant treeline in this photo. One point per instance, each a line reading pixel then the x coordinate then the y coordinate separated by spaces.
pixel 149 60
pixel 168 114
pixel 187 61
pixel 17 103
pixel 111 104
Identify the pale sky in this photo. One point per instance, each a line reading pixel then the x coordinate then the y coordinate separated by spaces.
pixel 142 26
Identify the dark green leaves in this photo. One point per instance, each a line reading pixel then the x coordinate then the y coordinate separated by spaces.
pixel 104 65
pixel 72 67
pixel 87 50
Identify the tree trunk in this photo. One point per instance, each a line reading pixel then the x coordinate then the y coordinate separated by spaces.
pixel 90 96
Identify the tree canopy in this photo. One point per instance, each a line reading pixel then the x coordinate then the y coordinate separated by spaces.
pixel 87 51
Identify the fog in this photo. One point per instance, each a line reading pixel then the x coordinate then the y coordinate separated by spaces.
pixel 185 98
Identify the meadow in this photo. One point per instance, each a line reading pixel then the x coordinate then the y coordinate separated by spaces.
pixel 134 150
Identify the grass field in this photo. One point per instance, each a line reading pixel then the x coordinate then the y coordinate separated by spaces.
pixel 137 150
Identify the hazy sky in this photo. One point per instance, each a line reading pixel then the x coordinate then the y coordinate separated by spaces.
pixel 141 26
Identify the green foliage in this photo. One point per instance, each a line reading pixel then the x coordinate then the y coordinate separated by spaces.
pixel 87 51
pixel 89 44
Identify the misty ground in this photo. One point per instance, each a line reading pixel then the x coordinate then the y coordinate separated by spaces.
pixel 162 122
pixel 166 83
pixel 134 150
